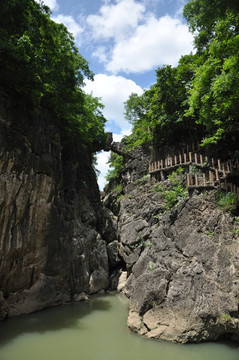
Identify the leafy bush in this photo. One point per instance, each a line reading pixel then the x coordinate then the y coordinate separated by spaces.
pixel 117 164
pixel 176 191
pixel 227 202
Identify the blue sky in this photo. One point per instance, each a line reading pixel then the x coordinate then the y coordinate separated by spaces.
pixel 124 41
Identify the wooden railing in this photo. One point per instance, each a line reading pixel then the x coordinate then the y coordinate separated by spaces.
pixel 214 171
pixel 192 159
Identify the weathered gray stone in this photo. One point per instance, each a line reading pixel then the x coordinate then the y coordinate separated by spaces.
pixel 183 282
pixel 113 253
pixel 99 280
pixel 51 219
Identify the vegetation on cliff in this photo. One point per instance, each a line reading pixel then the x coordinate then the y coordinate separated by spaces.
pixel 198 99
pixel 42 68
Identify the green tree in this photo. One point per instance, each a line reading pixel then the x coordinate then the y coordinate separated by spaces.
pixel 203 16
pixel 41 67
pixel 158 115
pixel 214 95
pixel 117 165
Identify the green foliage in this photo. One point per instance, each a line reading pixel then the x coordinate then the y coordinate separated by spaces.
pixel 41 67
pixel 227 202
pixel 214 92
pixel 225 319
pixel 151 266
pixel 158 115
pixel 139 244
pixel 172 194
pixel 118 188
pixel 198 98
pixel 210 233
pixel 235 231
pixel 117 164
pixel 204 15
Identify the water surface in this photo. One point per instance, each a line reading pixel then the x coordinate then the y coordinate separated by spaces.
pixel 95 330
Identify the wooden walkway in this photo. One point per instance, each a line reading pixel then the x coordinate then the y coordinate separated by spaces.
pixel 213 172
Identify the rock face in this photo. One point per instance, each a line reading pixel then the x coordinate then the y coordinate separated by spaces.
pixel 179 268
pixel 53 229
pixel 183 265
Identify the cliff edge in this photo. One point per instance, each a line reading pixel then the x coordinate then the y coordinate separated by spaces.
pixel 182 258
pixel 53 229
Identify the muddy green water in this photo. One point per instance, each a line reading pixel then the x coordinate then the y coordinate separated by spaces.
pixel 95 330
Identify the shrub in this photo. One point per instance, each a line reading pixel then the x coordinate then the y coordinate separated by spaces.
pixel 227 202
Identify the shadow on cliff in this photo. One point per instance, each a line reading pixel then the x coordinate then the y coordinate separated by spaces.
pixel 54 319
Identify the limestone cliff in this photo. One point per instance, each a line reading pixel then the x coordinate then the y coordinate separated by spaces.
pixel 182 264
pixel 53 229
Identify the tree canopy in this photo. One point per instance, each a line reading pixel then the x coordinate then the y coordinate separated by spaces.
pixel 41 67
pixel 198 99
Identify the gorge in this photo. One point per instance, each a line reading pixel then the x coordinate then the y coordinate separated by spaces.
pixel 165 234
pixel 60 242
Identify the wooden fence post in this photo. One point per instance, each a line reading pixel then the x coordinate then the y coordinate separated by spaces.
pixel 220 184
pixel 201 159
pixel 224 169
pixel 190 157
pixel 175 160
pixel 204 179
pixel 185 158
pixel 228 168
pixel 213 163
pixel 196 179
pixel 211 178
pixel 196 158
pixel 225 182
pixel 180 158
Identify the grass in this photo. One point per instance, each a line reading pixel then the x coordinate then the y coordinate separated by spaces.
pixel 227 202
pixel 172 194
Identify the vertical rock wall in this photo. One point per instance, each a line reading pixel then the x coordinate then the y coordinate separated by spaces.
pixel 51 219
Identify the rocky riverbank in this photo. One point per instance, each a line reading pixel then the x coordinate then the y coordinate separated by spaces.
pixel 182 263
pixel 175 257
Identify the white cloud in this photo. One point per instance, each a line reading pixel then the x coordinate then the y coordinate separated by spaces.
pixel 70 23
pixel 100 53
pixel 114 91
pixel 118 137
pixel 116 20
pixel 52 4
pixel 102 159
pixel 103 167
pixel 138 41
pixel 157 42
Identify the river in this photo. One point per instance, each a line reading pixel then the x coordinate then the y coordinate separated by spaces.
pixel 93 330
